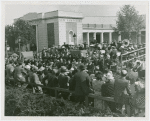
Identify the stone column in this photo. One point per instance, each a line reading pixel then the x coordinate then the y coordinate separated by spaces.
pixel 110 37
pixel 101 37
pixel 139 37
pixel 119 37
pixel 88 43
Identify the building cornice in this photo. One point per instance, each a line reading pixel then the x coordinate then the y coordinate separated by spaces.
pixel 54 17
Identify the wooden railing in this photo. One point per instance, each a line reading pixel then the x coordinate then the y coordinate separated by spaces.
pixel 134 51
pixel 137 55
pixel 95 96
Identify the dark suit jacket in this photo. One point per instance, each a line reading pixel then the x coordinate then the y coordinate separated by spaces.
pixel 107 89
pixel 47 77
pixel 121 89
pixel 82 80
pixel 62 81
pixel 53 82
pixel 90 67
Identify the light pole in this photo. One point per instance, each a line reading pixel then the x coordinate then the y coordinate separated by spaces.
pixel 74 36
pixel 19 40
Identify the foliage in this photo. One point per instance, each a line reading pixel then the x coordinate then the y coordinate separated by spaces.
pixel 10 36
pixel 22 102
pixel 129 20
pixel 19 28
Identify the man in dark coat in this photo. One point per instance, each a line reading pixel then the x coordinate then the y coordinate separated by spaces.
pixel 107 62
pixel 107 90
pixel 63 81
pixel 82 80
pixel 47 77
pixel 122 90
pixel 33 47
pixel 113 53
pixel 52 81
pixel 101 63
pixel 90 67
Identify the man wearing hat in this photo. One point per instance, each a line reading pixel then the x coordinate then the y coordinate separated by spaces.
pixel 90 66
pixel 63 78
pixel 113 53
pixel 122 90
pixel 108 62
pixel 63 81
pixel 82 80
pixel 119 44
pixel 107 90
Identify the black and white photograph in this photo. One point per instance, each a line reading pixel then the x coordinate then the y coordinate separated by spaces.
pixel 71 59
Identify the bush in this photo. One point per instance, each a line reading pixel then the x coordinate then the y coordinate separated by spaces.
pixel 22 102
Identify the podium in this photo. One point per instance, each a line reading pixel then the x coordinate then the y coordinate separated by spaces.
pixel 27 55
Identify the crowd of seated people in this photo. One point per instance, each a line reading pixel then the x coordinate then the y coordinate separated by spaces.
pixel 83 75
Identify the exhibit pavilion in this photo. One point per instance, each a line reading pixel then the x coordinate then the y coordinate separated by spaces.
pixel 59 27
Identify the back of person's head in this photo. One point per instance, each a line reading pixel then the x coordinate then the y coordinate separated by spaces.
pixel 20 63
pixel 130 65
pixel 98 72
pixel 81 67
pixel 74 72
pixel 54 72
pixel 123 73
pixel 99 76
pixel 45 72
pixel 16 63
pixel 70 75
pixel 138 63
pixel 106 71
pixel 10 61
pixel 40 65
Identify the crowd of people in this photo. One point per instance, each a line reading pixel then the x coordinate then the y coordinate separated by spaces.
pixel 98 72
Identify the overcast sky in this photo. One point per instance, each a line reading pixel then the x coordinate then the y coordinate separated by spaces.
pixel 17 10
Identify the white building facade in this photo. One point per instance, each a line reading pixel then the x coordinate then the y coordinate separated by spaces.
pixel 59 27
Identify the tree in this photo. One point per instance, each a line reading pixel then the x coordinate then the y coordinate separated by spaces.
pixel 20 28
pixel 9 36
pixel 129 20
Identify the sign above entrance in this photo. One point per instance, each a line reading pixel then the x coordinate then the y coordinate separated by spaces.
pixel 70 20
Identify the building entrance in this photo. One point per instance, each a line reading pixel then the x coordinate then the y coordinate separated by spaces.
pixel 71 39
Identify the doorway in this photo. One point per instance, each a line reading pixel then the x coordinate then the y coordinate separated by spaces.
pixel 71 39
